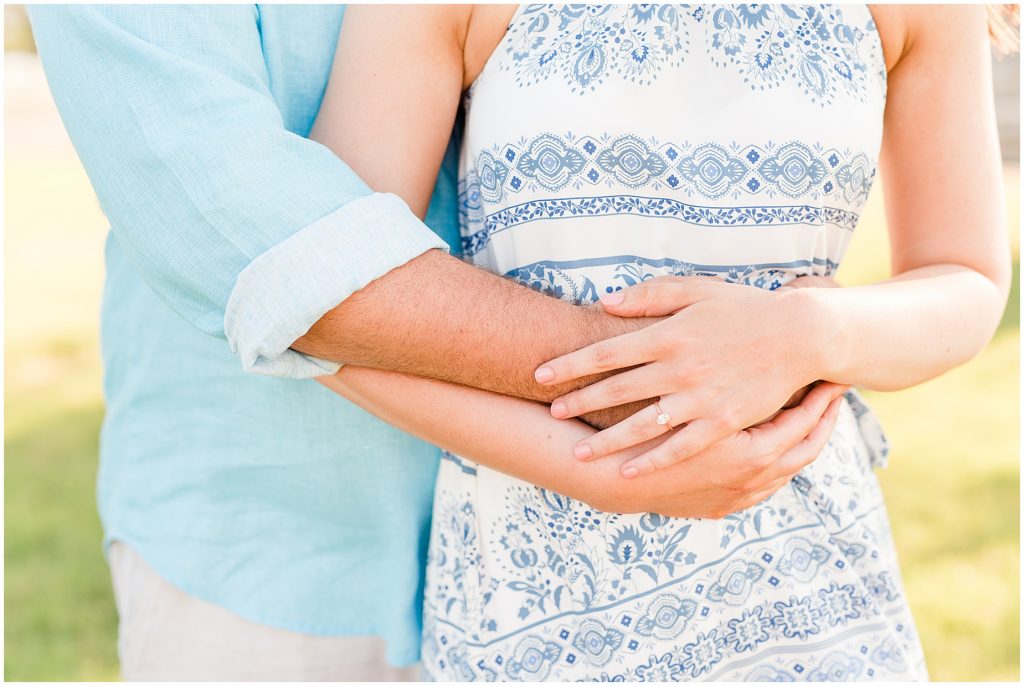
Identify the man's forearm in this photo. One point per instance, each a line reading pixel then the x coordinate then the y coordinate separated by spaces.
pixel 439 317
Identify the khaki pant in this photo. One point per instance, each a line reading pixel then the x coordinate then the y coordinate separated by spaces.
pixel 167 635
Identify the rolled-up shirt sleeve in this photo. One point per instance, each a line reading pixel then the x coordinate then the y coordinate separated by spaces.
pixel 247 230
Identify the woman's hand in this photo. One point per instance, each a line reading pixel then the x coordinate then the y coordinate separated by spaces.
pixel 739 471
pixel 728 358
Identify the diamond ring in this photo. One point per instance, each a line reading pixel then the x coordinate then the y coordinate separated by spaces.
pixel 662 417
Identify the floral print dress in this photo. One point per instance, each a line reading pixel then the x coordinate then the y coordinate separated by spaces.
pixel 605 145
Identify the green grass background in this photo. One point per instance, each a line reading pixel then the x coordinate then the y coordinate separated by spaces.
pixel 952 486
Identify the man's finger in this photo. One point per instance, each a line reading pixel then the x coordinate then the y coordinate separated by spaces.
pixel 660 296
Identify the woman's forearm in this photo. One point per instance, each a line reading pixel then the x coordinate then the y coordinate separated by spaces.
pixel 521 439
pixel 514 436
pixel 906 330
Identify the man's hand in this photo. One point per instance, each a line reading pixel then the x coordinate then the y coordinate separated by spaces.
pixel 706 362
pixel 741 470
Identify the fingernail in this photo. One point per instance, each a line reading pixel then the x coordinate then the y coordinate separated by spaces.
pixel 544 374
pixel 612 298
pixel 630 472
pixel 558 410
pixel 582 452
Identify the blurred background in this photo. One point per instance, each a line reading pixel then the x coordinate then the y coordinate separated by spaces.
pixel 952 486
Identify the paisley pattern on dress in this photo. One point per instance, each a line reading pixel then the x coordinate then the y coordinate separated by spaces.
pixel 588 45
pixel 605 146
pixel 584 281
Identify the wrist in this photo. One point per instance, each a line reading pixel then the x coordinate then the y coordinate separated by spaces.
pixel 821 341
pixel 609 325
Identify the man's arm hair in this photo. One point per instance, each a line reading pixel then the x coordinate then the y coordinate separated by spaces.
pixel 441 318
pixel 434 316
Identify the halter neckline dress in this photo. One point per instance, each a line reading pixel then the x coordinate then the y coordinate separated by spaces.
pixel 605 145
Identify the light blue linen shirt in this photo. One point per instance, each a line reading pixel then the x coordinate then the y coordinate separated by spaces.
pixel 231 233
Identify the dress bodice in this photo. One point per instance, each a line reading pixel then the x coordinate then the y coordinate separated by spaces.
pixel 608 144
pixel 605 145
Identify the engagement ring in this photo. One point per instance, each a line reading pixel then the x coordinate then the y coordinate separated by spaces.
pixel 662 417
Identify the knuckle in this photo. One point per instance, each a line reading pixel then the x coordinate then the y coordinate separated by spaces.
pixel 658 346
pixel 603 356
pixel 722 422
pixel 732 418
pixel 616 390
pixel 637 430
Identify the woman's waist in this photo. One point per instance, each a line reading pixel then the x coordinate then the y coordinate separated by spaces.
pixel 846 463
pixel 585 279
pixel 615 252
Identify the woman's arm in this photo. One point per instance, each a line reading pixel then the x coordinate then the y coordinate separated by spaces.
pixel 389 107
pixel 950 260
pixel 514 436
pixel 520 438
pixel 388 111
pixel 943 183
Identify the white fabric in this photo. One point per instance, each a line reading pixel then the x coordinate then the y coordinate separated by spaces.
pixel 605 145
pixel 167 635
pixel 299 280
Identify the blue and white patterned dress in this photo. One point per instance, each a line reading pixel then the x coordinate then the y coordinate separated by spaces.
pixel 606 145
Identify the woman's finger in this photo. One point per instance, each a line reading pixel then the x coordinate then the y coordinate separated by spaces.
pixel 806 451
pixel 626 350
pixel 790 426
pixel 763 494
pixel 687 441
pixel 629 386
pixel 659 296
pixel 634 430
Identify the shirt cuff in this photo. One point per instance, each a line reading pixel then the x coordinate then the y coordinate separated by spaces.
pixel 284 291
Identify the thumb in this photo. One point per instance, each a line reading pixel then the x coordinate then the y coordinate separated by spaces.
pixel 659 296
